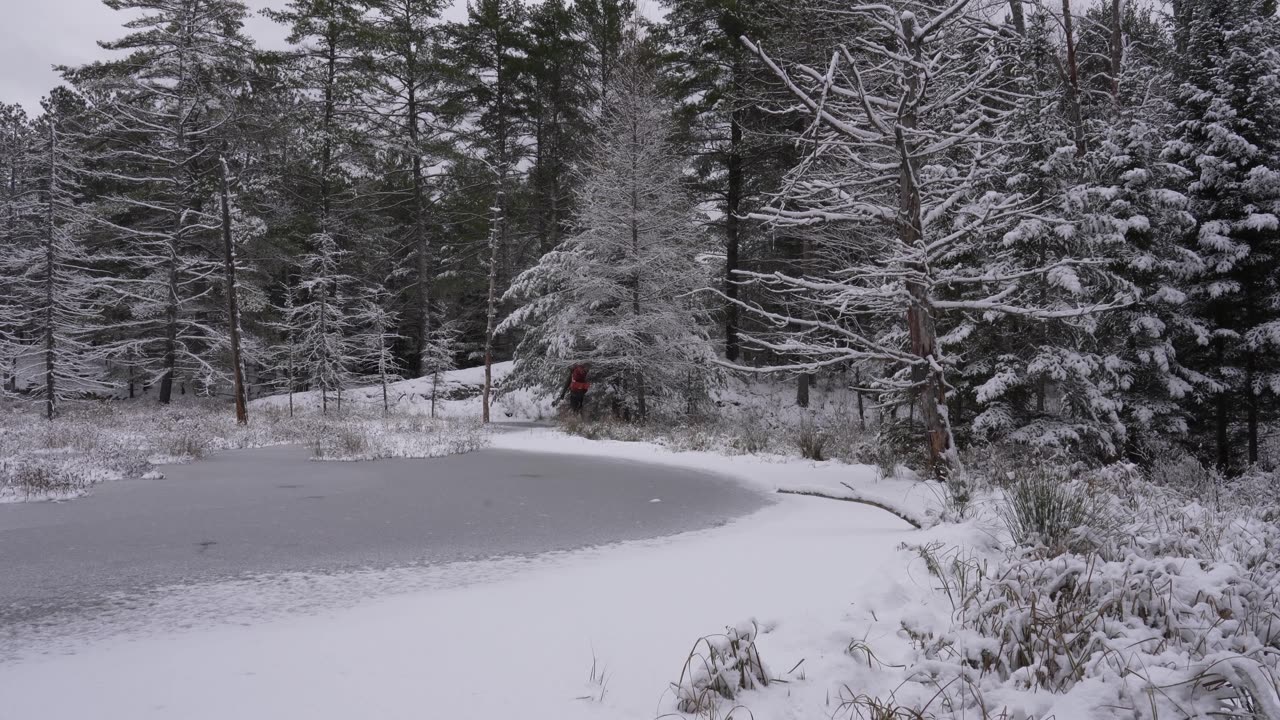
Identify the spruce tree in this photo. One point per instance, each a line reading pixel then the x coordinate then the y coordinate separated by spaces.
pixel 910 148
pixel 559 107
pixel 1226 138
pixel 164 113
pixel 408 90
pixel 318 322
pixel 619 292
pixel 491 51
pixel 55 291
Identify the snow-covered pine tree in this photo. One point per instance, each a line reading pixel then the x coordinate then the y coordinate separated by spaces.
pixel 406 93
pixel 327 76
pixel 319 322
pixel 1057 384
pixel 491 48
pixel 1129 188
pixel 373 342
pixel 162 113
pixel 55 293
pixel 15 140
pixel 905 149
pixel 603 30
pixel 286 356
pixel 618 292
pixel 560 99
pixel 444 348
pixel 739 149
pixel 1228 139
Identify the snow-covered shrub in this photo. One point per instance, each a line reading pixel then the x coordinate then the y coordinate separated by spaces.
pixel 1182 471
pixel 1171 609
pixel 355 437
pixel 811 440
pixel 97 442
pixel 464 437
pixel 117 456
pixel 1044 508
pixel 1255 489
pixel 899 439
pixel 753 435
pixel 718 668
pixel 863 706
pixel 48 475
pixel 348 440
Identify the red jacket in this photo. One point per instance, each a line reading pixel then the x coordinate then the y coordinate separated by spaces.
pixel 578 379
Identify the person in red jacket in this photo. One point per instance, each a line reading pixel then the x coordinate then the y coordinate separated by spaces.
pixel 577 386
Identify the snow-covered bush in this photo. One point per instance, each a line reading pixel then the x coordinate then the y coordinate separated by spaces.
pixel 40 477
pixel 819 435
pixel 375 438
pixel 811 440
pixel 753 435
pixel 1044 508
pixel 97 442
pixel 1170 609
pixel 718 668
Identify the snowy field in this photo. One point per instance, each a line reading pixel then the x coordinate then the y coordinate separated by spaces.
pixel 518 638
pixel 849 610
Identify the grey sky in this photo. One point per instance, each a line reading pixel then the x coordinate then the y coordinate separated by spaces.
pixel 35 35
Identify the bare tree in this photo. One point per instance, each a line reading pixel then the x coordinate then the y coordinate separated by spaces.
pixel 904 152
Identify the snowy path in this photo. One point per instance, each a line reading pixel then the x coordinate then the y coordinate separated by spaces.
pixel 271 511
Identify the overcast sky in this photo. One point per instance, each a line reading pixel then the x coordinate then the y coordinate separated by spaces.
pixel 35 35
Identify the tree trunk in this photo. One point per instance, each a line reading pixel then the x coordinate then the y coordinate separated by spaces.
pixel 233 301
pixel 50 360
pixel 435 384
pixel 642 407
pixel 732 230
pixel 1073 79
pixel 175 245
pixel 497 231
pixel 422 240
pixel 11 378
pixel 1117 50
pixel 1179 26
pixel 171 318
pixel 862 413
pixel 491 314
pixel 926 372
pixel 635 247
pixel 1251 409
pixel 802 390
pixel 1223 418
pixel 324 349
pixel 382 371
pixel 1016 14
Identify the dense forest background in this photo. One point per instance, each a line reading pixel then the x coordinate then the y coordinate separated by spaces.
pixel 1042 223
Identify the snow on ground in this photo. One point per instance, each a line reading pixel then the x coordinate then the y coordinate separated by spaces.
pixel 519 638
pixel 768 473
pixel 457 394
pixel 766 398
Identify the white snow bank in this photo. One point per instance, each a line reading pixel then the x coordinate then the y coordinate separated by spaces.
pixel 768 473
